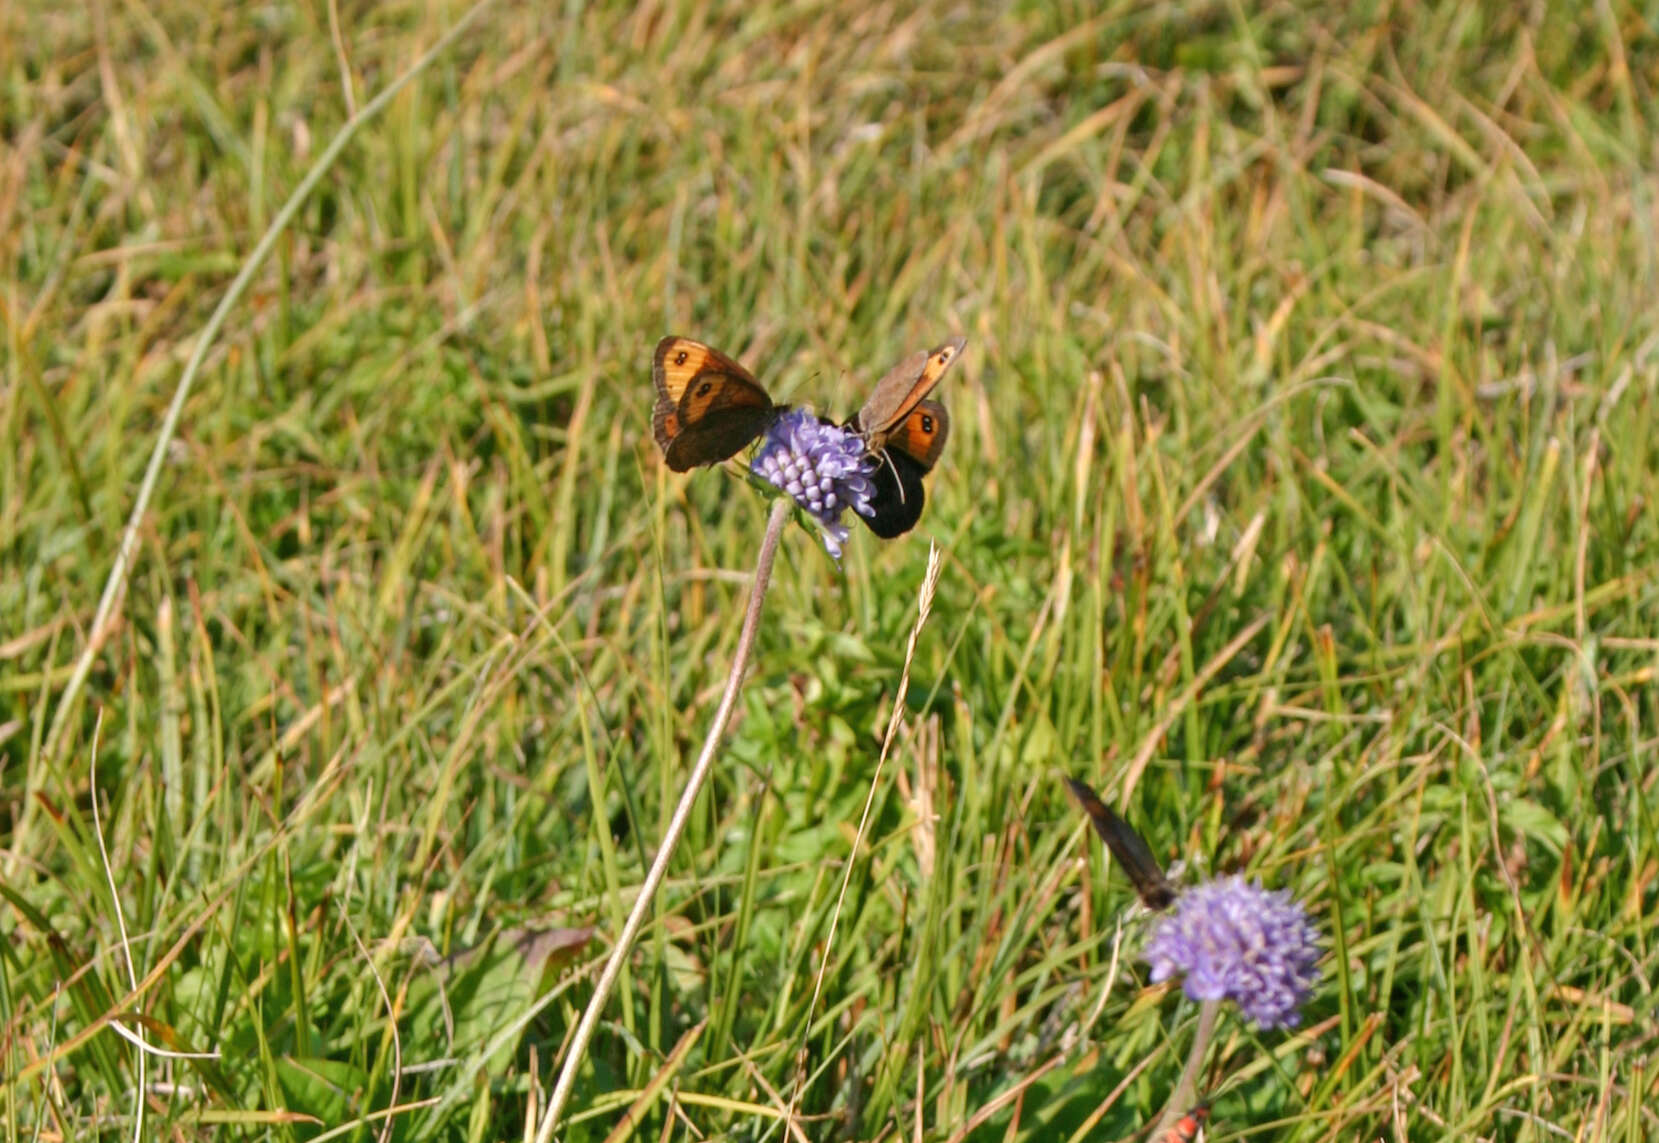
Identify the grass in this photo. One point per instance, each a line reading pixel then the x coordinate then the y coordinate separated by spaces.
pixel 1300 493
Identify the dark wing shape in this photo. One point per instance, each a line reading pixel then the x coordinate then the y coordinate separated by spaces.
pixel 1128 848
pixel 899 497
pixel 708 406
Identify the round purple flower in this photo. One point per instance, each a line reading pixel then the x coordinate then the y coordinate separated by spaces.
pixel 1236 941
pixel 822 466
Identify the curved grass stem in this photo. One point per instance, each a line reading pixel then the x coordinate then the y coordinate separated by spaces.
pixel 104 618
pixel 676 826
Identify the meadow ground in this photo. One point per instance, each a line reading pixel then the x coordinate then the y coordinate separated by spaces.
pixel 1301 495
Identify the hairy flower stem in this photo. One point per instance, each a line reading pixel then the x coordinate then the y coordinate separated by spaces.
pixel 1185 1096
pixel 676 826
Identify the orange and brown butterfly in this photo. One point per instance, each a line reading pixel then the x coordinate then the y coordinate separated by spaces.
pixel 1128 847
pixel 905 433
pixel 1186 1129
pixel 708 406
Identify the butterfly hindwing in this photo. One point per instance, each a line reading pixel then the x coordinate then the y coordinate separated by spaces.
pixel 898 497
pixel 912 450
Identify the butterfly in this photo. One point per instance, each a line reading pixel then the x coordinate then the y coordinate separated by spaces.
pixel 905 433
pixel 708 406
pixel 1186 1129
pixel 1127 846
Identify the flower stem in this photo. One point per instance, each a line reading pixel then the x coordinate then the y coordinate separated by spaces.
pixel 676 826
pixel 1185 1097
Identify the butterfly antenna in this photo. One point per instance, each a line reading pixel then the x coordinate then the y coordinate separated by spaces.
pixel 887 460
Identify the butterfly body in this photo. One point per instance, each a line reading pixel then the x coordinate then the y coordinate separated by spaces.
pixel 709 408
pixel 905 433
pixel 1128 847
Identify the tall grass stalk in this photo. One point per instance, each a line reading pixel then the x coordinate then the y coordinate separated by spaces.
pixel 115 584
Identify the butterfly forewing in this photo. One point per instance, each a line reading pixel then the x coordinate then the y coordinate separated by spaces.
pixel 1127 846
pixel 923 434
pixel 881 411
pixel 901 389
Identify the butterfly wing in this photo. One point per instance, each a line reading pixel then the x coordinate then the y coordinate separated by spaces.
pixel 900 390
pixel 912 450
pixel 905 432
pixel 898 498
pixel 708 406
pixel 1127 846
pixel 922 435
pixel 881 409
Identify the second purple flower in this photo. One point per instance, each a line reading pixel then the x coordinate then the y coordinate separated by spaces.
pixel 1236 941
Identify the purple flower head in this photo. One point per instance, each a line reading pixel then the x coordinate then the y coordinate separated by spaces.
pixel 821 466
pixel 1236 941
